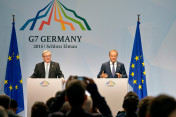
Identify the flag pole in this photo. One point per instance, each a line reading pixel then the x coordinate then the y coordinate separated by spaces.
pixel 13 17
pixel 138 16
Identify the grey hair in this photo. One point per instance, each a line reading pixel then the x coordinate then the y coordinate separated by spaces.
pixel 45 51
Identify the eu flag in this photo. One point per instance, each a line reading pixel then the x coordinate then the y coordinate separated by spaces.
pixel 137 77
pixel 13 86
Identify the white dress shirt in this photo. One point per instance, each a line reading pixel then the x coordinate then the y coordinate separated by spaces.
pixel 46 65
pixel 111 65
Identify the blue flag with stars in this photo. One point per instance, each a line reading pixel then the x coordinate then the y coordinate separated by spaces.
pixel 137 77
pixel 13 86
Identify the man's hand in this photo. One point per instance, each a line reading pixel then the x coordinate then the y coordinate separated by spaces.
pixel 63 81
pixel 119 75
pixel 103 75
pixel 69 79
pixel 88 81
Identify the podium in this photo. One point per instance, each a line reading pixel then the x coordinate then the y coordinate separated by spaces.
pixel 113 90
pixel 41 89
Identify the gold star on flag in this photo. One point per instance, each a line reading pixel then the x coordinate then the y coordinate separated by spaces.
pixel 21 81
pixel 137 58
pixel 134 81
pixel 18 57
pixel 144 72
pixel 10 58
pixel 132 74
pixel 10 88
pixel 140 86
pixel 6 82
pixel 132 65
pixel 142 81
pixel 16 87
pixel 143 64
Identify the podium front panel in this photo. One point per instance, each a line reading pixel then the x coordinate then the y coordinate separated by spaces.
pixel 114 90
pixel 40 89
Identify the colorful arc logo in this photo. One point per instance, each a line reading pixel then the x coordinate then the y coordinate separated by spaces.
pixel 44 83
pixel 110 83
pixel 56 7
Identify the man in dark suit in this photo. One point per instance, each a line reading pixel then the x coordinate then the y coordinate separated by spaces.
pixel 112 68
pixel 47 68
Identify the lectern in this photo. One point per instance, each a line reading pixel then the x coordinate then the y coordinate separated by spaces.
pixel 41 89
pixel 114 90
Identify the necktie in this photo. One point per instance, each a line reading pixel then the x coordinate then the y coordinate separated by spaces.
pixel 47 70
pixel 113 70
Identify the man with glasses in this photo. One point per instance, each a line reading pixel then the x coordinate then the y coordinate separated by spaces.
pixel 47 68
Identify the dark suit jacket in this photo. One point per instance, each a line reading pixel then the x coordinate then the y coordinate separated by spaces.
pixel 119 69
pixel 54 71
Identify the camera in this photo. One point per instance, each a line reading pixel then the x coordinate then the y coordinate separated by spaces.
pixel 80 78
